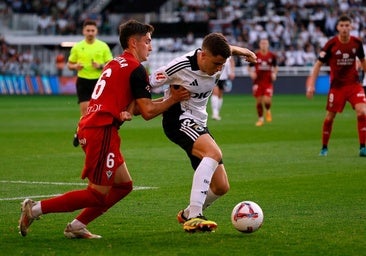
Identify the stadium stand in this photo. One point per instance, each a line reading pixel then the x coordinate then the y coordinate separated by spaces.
pixel 32 31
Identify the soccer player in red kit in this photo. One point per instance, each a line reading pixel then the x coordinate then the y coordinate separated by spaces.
pixel 341 53
pixel 263 73
pixel 122 90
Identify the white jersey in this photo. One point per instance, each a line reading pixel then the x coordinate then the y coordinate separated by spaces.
pixel 226 69
pixel 184 71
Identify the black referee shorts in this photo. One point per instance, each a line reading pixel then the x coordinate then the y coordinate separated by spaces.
pixel 85 88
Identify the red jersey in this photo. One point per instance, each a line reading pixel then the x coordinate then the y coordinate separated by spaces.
pixel 263 68
pixel 341 58
pixel 123 79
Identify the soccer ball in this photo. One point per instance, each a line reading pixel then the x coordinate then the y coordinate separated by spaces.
pixel 247 216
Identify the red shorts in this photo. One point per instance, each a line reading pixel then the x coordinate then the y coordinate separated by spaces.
pixel 337 97
pixel 262 90
pixel 102 154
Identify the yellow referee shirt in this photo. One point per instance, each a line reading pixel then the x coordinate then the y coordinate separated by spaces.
pixel 85 54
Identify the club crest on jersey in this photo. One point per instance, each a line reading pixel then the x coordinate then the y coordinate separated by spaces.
pixel 109 174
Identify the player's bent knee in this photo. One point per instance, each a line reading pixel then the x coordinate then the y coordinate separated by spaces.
pixel 220 190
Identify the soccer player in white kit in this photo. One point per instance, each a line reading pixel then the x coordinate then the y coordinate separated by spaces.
pixel 186 123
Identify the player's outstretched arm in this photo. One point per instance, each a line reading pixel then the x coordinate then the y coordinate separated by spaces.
pixel 310 83
pixel 246 53
pixel 152 108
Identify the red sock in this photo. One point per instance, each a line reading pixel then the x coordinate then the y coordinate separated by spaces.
pixel 267 106
pixel 361 127
pixel 115 195
pixel 327 130
pixel 73 200
pixel 259 109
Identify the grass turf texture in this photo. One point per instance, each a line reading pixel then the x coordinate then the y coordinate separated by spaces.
pixel 312 205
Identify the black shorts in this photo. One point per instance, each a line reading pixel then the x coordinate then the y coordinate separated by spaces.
pixel 184 133
pixel 221 84
pixel 84 88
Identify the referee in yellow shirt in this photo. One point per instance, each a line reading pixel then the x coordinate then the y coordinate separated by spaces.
pixel 88 58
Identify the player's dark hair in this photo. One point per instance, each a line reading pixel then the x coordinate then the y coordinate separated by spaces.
pixel 217 44
pixel 132 28
pixel 89 22
pixel 343 18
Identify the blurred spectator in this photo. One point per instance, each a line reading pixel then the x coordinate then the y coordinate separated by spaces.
pixel 35 68
pixel 309 55
pixel 283 22
pixel 12 66
pixel 330 24
pixel 60 62
pixel 43 24
pixel 189 39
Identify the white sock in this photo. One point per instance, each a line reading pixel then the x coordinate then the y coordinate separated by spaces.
pixel 211 197
pixel 219 103
pixel 200 185
pixel 186 212
pixel 37 209
pixel 75 224
pixel 215 105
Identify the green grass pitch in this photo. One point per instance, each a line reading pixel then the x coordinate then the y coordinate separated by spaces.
pixel 312 205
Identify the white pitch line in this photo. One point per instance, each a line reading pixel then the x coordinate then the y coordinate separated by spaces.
pixel 52 183
pixel 22 198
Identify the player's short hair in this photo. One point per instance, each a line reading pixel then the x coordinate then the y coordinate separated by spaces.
pixel 132 28
pixel 89 22
pixel 217 44
pixel 344 18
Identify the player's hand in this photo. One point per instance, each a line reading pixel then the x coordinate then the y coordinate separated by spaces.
pixel 253 75
pixel 125 116
pixel 310 88
pixel 79 66
pixel 274 77
pixel 254 88
pixel 250 56
pixel 96 65
pixel 310 92
pixel 179 93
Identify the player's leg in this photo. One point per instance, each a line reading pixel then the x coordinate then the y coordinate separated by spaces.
pixel 259 109
pixel 221 96
pixel 68 202
pixel 84 90
pixel 336 102
pixel 210 154
pixel 327 131
pixel 360 109
pixel 215 103
pixel 121 188
pixel 219 186
pixel 267 100
pixel 115 182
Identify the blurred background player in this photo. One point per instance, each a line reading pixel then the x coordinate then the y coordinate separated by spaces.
pixel 263 73
pixel 341 53
pixel 227 75
pixel 88 58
